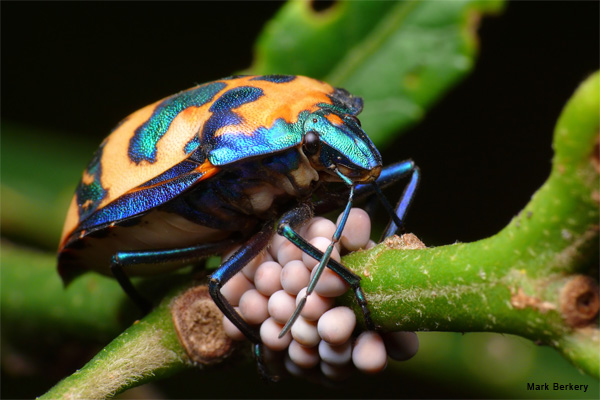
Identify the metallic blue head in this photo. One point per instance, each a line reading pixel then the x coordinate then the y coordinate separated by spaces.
pixel 333 138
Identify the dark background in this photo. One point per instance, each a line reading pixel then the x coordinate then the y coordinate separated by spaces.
pixel 76 69
pixel 79 68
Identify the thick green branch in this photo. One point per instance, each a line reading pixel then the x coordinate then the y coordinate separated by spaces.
pixel 529 279
pixel 149 349
pixel 184 330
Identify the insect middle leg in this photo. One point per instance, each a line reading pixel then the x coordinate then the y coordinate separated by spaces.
pixel 232 266
pixel 287 227
pixel 225 272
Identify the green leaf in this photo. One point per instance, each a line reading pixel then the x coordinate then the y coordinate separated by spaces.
pixel 41 169
pixel 34 299
pixel 399 56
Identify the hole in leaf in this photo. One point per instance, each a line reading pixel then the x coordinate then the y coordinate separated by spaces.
pixel 322 5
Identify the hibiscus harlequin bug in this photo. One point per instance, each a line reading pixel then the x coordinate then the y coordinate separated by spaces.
pixel 225 163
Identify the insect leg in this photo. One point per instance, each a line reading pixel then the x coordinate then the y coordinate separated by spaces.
pixel 140 301
pixel 395 172
pixel 225 272
pixel 287 227
pixel 389 176
pixel 124 259
pixel 232 266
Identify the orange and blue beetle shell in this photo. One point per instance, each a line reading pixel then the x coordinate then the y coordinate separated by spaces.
pixel 208 165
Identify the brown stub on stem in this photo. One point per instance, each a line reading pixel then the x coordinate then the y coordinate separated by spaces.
pixel 199 324
pixel 579 301
pixel 408 241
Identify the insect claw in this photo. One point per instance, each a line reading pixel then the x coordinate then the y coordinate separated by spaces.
pixel 294 317
pixel 260 363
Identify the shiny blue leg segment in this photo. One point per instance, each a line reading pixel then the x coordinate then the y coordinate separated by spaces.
pixel 229 268
pixel 123 259
pixel 393 173
pixel 287 228
pixel 389 175
pixel 225 272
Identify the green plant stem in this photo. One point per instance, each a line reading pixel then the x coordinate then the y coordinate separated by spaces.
pixel 511 282
pixel 148 350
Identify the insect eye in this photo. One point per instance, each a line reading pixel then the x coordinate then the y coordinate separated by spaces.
pixel 312 143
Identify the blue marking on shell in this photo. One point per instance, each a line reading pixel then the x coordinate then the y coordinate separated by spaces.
pixel 225 149
pixel 146 198
pixel 235 98
pixel 142 146
pixel 89 196
pixel 236 146
pixel 275 78
pixel 223 114
pixel 192 145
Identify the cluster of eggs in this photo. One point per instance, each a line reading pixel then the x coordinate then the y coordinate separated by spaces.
pixel 268 289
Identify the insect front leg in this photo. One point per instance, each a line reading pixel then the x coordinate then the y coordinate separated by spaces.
pixel 287 227
pixel 390 175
